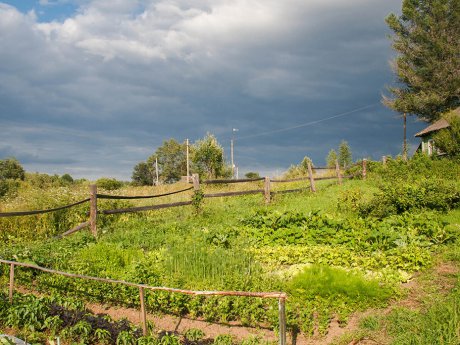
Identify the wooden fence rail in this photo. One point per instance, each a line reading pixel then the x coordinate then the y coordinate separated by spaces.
pixel 281 296
pixel 266 191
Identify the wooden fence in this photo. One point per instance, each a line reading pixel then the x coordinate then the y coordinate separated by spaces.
pixel 94 196
pixel 281 296
pixel 266 191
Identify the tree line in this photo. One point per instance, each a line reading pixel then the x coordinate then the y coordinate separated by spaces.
pixel 169 161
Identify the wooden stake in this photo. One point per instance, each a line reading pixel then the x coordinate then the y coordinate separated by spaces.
pixel 196 182
pixel 93 209
pixel 337 170
pixel 143 313
pixel 267 190
pixel 312 180
pixel 11 282
pixel 282 320
pixel 364 168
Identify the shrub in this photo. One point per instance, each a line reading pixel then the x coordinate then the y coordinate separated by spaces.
pixel 109 183
pixel 397 198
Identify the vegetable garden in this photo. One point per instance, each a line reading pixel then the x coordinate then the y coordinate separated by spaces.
pixel 339 251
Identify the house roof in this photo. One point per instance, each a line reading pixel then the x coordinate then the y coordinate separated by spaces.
pixel 436 126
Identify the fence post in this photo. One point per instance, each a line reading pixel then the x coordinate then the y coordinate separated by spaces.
pixel 364 168
pixel 337 170
pixel 312 180
pixel 196 182
pixel 267 190
pixel 93 209
pixel 282 320
pixel 143 313
pixel 11 282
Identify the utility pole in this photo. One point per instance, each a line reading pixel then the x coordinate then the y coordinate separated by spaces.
pixel 405 138
pixel 153 176
pixel 231 155
pixel 231 151
pixel 188 166
pixel 156 169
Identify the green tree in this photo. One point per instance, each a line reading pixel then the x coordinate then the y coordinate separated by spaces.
pixel 172 161
pixel 11 169
pixel 142 175
pixel 252 174
pixel 447 140
pixel 427 39
pixel 300 169
pixel 208 158
pixel 345 157
pixel 66 178
pixel 108 183
pixel 331 158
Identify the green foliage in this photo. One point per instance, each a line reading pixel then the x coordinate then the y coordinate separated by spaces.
pixel 197 201
pixel 172 160
pixel 169 339
pixel 241 244
pixel 8 187
pixel 142 174
pixel 109 183
pixel 223 339
pixel 447 140
pixel 194 334
pixel 397 198
pixel 331 158
pixel 208 158
pixel 344 157
pixel 329 282
pixel 252 174
pixel 66 178
pixel 437 325
pixel 426 37
pixel 299 170
pixel 11 169
pixel 172 164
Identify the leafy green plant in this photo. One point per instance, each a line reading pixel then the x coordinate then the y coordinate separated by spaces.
pixel 197 201
pixel 169 339
pixel 194 334
pixel 223 339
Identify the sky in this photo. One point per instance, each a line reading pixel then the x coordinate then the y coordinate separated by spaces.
pixel 92 87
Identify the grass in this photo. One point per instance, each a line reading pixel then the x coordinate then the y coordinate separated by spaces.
pixel 331 263
pixel 332 282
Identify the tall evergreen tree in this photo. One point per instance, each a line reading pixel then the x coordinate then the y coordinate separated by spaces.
pixel 427 40
pixel 345 157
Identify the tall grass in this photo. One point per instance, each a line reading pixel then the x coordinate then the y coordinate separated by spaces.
pixel 440 324
pixel 331 282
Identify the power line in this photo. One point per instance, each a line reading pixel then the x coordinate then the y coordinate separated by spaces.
pixel 308 123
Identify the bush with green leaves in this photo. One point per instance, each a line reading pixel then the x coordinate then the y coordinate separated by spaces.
pixel 109 183
pixel 397 198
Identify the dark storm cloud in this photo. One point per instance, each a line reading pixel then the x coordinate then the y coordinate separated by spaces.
pixel 109 82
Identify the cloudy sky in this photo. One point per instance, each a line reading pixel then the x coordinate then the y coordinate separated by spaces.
pixel 92 87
